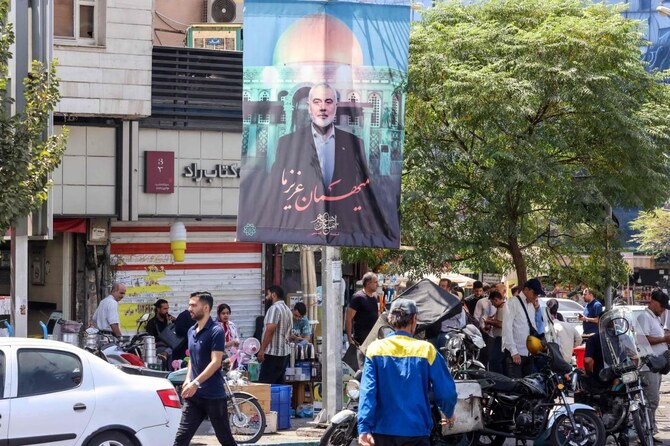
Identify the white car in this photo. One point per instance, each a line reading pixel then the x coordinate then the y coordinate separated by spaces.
pixel 570 311
pixel 55 393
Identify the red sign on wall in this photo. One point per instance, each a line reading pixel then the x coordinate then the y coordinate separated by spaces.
pixel 159 172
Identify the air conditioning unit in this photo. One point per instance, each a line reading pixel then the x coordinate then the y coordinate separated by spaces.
pixel 224 11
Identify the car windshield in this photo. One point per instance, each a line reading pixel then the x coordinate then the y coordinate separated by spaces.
pixel 568 305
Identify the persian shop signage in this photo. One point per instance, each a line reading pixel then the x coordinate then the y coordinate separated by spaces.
pixel 218 171
pixel 158 172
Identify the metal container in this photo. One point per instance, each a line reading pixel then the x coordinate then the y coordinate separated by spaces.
pixel 468 411
pixel 71 338
pixel 91 341
pixel 149 350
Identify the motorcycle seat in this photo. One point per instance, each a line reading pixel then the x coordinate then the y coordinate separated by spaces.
pixel 493 381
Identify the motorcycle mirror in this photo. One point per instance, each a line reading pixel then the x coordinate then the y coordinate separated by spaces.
pixel 617 327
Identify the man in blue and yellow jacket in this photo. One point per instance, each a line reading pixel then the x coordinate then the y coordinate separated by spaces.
pixel 399 372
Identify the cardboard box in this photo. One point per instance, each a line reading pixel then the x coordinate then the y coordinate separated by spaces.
pixel 260 391
pixel 271 422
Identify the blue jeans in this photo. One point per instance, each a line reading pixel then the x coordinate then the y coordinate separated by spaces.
pixel 195 411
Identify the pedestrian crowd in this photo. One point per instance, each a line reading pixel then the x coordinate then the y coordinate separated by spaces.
pixel 505 321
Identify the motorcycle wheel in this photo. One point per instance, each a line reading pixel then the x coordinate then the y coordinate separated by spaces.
pixel 481 439
pixel 589 430
pixel 645 432
pixel 341 434
pixel 249 425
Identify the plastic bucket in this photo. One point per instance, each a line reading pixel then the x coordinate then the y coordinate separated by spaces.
pixel 580 352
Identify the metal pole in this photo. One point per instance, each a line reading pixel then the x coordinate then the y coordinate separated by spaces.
pixel 608 275
pixel 332 335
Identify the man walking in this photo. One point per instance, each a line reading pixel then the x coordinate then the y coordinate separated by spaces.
pixel 275 350
pixel 362 314
pixel 518 320
pixel 106 316
pixel 568 337
pixel 394 417
pixel 652 327
pixel 203 391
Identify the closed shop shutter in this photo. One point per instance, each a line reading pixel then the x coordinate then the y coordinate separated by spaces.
pixel 231 271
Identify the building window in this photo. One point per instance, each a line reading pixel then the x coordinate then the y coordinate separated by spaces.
pixel 246 97
pixel 376 102
pixel 264 118
pixel 353 111
pixel 395 112
pixel 76 20
pixel 280 97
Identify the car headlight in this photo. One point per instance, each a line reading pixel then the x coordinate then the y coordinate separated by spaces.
pixel 629 377
pixel 353 389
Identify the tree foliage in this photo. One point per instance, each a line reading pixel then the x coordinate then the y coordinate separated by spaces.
pixel 525 119
pixel 653 234
pixel 26 156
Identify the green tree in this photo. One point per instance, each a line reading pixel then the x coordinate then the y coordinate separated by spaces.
pixel 26 156
pixel 653 234
pixel 525 119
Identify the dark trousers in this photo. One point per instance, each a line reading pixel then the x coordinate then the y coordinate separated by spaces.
pixel 273 369
pixel 195 411
pixel 496 356
pixel 393 440
pixel 519 370
pixel 484 353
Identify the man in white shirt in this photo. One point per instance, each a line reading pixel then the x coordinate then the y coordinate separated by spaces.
pixel 568 337
pixel 652 327
pixel 106 316
pixel 515 329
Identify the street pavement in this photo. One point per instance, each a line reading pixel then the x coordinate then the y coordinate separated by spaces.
pixel 303 434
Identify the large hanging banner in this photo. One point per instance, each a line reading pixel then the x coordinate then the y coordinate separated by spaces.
pixel 323 110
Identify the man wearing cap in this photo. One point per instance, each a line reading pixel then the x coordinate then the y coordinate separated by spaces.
pixel 652 327
pixel 391 417
pixel 519 313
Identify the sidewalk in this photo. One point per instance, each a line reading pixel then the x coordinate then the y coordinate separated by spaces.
pixel 301 435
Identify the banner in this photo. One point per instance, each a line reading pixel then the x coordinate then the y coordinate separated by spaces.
pixel 323 110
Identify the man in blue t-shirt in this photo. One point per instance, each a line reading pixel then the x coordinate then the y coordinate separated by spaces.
pixel 592 312
pixel 203 391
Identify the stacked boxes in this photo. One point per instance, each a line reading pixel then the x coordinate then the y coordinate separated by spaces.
pixel 280 402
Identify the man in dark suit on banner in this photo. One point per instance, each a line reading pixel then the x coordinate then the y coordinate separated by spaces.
pixel 322 191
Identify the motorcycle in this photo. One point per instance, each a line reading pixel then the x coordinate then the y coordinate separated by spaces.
pixel 343 427
pixel 527 408
pixel 247 418
pixel 625 352
pixel 461 350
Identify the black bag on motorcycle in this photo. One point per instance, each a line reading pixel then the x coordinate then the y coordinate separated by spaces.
pixel 659 363
pixel 169 336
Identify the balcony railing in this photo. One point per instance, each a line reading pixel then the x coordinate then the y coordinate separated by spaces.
pixel 195 89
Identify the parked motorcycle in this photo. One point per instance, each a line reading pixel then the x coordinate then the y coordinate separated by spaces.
pixel 461 350
pixel 343 428
pixel 625 352
pixel 247 419
pixel 536 407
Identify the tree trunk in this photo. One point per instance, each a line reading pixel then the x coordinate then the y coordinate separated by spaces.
pixel 519 261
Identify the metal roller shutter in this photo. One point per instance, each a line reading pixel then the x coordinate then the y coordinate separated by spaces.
pixel 231 271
